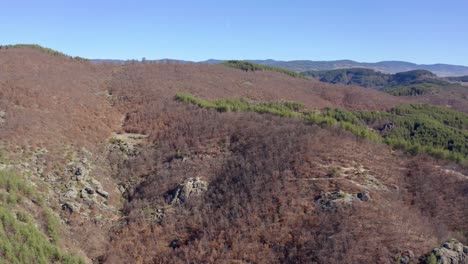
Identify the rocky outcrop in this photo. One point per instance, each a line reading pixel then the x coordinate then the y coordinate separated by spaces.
pixel 126 144
pixel 189 188
pixel 404 256
pixel 2 116
pixel 451 252
pixel 387 126
pixel 363 196
pixel 82 191
pixel 332 200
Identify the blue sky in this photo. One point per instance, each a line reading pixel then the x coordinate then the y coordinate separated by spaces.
pixel 412 30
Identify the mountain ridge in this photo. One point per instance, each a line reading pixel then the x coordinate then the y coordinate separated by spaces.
pixel 391 66
pixel 440 69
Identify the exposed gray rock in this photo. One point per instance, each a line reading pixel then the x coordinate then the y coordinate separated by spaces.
pixel 332 200
pixel 83 194
pixel 102 193
pixel 68 208
pixel 2 116
pixel 451 252
pixel 122 189
pixel 86 192
pixel 71 193
pixel 78 171
pixel 158 215
pixel 189 188
pixel 89 190
pixel 387 127
pixel 175 243
pixel 363 196
pixel 405 256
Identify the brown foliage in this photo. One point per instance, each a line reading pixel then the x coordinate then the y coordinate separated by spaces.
pixel 53 100
pixel 260 205
pixel 264 172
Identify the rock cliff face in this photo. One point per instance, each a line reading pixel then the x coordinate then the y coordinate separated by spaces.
pixel 189 188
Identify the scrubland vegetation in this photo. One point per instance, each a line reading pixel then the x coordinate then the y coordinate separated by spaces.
pixel 260 207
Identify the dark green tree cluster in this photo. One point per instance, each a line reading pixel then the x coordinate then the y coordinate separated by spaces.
pixel 250 66
pixel 355 76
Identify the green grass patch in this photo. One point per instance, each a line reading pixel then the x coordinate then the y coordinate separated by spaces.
pixel 21 241
pixel 14 185
pixel 3 156
pixel 283 108
pixel 250 66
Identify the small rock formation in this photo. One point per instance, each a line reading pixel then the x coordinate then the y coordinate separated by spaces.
pixel 189 188
pixel 404 256
pixel 331 200
pixel 363 196
pixel 451 252
pixel 89 190
pixel 102 193
pixel 174 244
pixel 158 215
pixel 98 189
pixel 127 144
pixel 68 207
pixel 2 116
pixel 387 127
pixel 78 171
pixel 71 193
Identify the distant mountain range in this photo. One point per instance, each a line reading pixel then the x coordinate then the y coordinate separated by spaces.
pixel 392 67
pixel 442 70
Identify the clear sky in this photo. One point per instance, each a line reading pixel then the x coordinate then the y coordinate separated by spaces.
pixel 421 31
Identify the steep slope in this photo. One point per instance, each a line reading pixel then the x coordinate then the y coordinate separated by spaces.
pixel 225 187
pixel 242 187
pixel 51 99
pixel 55 123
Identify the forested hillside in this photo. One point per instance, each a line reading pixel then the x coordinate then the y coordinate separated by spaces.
pixel 234 163
pixel 410 83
